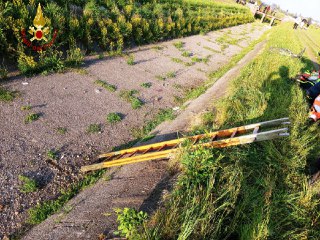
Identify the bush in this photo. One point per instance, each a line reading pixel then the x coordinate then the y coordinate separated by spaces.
pixel 110 25
pixel 74 57
pixel 129 220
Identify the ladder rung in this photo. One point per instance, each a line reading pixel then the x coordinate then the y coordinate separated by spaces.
pixel 162 147
pixel 234 133
pixel 256 129
pixel 147 150
pixel 214 137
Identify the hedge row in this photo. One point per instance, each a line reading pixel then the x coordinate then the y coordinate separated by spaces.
pixel 111 24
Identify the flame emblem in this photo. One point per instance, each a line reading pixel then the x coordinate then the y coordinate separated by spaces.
pixel 38 31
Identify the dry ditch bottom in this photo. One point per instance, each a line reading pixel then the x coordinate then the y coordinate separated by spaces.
pixel 67 104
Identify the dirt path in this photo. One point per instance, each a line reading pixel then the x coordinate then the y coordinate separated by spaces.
pixel 72 101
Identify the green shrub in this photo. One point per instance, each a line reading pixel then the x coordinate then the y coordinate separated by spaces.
pixel 109 25
pixel 129 221
pixel 74 57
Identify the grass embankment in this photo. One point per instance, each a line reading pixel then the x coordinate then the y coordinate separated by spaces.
pixel 257 191
pixel 311 39
pixel 106 25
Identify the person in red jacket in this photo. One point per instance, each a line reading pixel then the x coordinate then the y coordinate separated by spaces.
pixel 315 109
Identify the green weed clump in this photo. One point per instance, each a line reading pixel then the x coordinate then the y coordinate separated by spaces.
pixel 29 185
pixel 146 85
pixel 52 154
pixel 26 107
pixel 6 95
pixel 179 45
pixel 105 85
pixel 186 54
pixel 171 74
pixel 31 117
pixel 130 60
pixel 256 191
pixel 62 130
pixel 114 118
pixel 94 128
pixel 129 96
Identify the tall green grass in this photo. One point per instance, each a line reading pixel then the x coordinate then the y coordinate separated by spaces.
pixel 257 191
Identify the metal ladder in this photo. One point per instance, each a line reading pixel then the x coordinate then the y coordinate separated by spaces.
pixel 218 139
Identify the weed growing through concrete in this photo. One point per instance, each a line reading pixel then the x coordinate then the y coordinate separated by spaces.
pixel 29 185
pixel 94 128
pixel 188 64
pixel 196 59
pixel 6 95
pixel 211 49
pixel 62 130
pixel 162 115
pixel 26 107
pixel 186 54
pixel 146 85
pixel 114 118
pixel 31 117
pixel 171 74
pixel 130 60
pixel 52 154
pixel 179 45
pixel 177 60
pixel 157 47
pixel 129 96
pixel 160 77
pixel 105 85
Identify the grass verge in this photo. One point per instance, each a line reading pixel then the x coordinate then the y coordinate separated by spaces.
pixel 256 191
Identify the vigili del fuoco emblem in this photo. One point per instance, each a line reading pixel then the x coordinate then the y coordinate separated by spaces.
pixel 39 33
